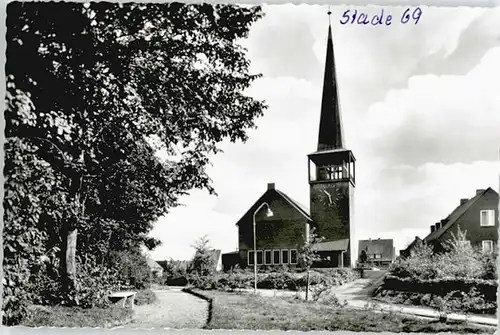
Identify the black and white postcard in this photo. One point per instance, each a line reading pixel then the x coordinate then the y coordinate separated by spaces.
pixel 251 167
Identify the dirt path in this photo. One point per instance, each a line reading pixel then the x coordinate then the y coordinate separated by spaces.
pixel 174 309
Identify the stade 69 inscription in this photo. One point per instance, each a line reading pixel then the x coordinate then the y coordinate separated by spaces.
pixel 408 16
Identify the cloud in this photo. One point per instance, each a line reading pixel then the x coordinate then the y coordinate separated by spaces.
pixel 440 118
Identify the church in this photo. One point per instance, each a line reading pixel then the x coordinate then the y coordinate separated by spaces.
pixel 273 230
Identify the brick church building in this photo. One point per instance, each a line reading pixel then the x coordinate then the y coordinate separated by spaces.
pixel 277 224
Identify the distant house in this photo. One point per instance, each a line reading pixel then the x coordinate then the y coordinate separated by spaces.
pixel 379 252
pixel 217 259
pixel 156 269
pixel 407 252
pixel 478 216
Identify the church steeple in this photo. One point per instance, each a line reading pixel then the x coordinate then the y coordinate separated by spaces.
pixel 330 128
pixel 331 172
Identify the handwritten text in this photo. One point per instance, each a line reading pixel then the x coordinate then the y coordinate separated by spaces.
pixel 410 15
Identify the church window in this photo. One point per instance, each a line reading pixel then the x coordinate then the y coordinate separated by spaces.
pixel 487 218
pixel 276 257
pixel 284 257
pixel 259 257
pixel 293 256
pixel 250 257
pixel 267 257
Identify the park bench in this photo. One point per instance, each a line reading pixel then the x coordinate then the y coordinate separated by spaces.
pixel 123 296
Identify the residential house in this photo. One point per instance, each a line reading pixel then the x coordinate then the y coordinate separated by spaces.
pixel 409 249
pixel 156 269
pixel 477 216
pixel 377 252
pixel 331 176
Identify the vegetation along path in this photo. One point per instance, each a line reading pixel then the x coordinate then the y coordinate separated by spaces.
pixel 173 309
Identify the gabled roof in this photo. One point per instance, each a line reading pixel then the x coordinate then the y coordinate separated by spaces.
pixel 153 265
pixel 299 207
pixel 337 245
pixel 456 215
pixel 383 247
pixel 303 209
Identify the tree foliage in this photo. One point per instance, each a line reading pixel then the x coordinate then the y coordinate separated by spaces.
pixel 94 92
pixel 308 254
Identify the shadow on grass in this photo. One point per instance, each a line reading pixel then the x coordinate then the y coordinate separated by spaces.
pixel 59 316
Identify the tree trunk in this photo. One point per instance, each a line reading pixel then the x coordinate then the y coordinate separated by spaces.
pixel 68 255
pixel 307 284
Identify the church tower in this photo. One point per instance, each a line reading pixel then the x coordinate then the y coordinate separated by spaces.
pixel 332 173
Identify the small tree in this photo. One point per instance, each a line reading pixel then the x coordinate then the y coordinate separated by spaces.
pixel 308 254
pixel 202 264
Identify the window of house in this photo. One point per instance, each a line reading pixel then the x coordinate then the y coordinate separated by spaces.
pixel 377 256
pixel 487 246
pixel 284 257
pixel 259 257
pixel 293 256
pixel 487 218
pixel 250 257
pixel 267 257
pixel 276 257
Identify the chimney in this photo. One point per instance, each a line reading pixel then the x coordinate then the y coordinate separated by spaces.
pixel 438 225
pixel 270 186
pixel 479 191
pixel 463 201
pixel 433 228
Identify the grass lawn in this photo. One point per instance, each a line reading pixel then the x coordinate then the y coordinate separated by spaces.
pixel 245 311
pixel 59 316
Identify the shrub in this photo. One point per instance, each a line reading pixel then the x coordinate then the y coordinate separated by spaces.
pixel 94 282
pixel 203 262
pixel 132 269
pixel 145 297
pixel 421 264
pixel 488 263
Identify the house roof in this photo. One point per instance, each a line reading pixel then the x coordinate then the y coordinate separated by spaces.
pixel 304 211
pixel 383 247
pixel 337 245
pixel 153 264
pixel 454 216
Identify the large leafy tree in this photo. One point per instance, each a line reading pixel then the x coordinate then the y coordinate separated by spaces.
pixel 102 88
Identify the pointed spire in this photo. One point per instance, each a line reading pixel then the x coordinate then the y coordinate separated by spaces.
pixel 330 127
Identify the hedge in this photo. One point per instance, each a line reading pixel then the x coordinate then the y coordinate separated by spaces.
pixel 440 287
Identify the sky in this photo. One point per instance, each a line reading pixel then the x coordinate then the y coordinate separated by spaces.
pixel 420 113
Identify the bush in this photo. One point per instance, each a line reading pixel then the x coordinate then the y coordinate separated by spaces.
pixel 454 301
pixel 241 279
pixel 145 297
pixel 132 269
pixel 94 282
pixel 460 260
